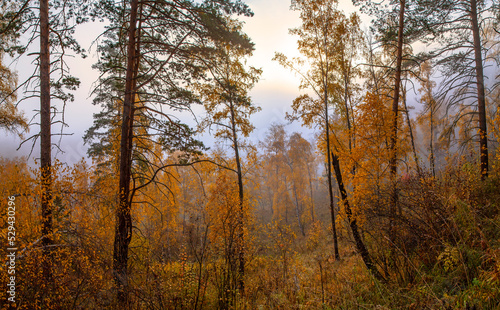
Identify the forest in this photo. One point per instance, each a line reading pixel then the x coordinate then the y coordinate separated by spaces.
pixel 393 204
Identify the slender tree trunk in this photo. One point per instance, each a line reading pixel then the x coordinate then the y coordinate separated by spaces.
pixel 372 70
pixel 329 172
pixel 274 206
pixel 360 246
pixel 297 211
pixel 395 108
pixel 241 223
pixel 311 192
pixel 347 114
pixel 45 142
pixel 350 126
pixel 481 101
pixel 123 229
pixel 431 142
pixel 412 140
pixel 397 83
pixel 286 204
pixel 241 216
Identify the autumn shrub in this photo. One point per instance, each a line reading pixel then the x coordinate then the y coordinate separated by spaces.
pixel 454 232
pixel 167 285
pixel 78 255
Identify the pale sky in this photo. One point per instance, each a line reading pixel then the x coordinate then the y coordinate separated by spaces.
pixel 274 93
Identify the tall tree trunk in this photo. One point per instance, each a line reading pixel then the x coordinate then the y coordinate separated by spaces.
pixel 241 215
pixel 481 102
pixel 410 129
pixel 395 108
pixel 397 83
pixel 347 114
pixel 286 203
pixel 431 142
pixel 310 192
pixel 360 246
pixel 350 126
pixel 45 142
pixel 297 210
pixel 123 229
pixel 329 172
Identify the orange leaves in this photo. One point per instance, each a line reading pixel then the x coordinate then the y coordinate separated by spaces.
pixel 223 211
pixel 373 133
pixel 288 170
pixel 373 118
pixel 79 239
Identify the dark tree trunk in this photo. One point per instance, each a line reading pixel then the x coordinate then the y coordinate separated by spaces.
pixel 395 108
pixel 310 192
pixel 297 210
pixel 360 246
pixel 431 142
pixel 123 229
pixel 329 172
pixel 241 216
pixel 397 83
pixel 45 141
pixel 410 129
pixel 347 113
pixel 481 102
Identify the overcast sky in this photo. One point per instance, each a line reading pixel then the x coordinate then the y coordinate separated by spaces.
pixel 274 93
